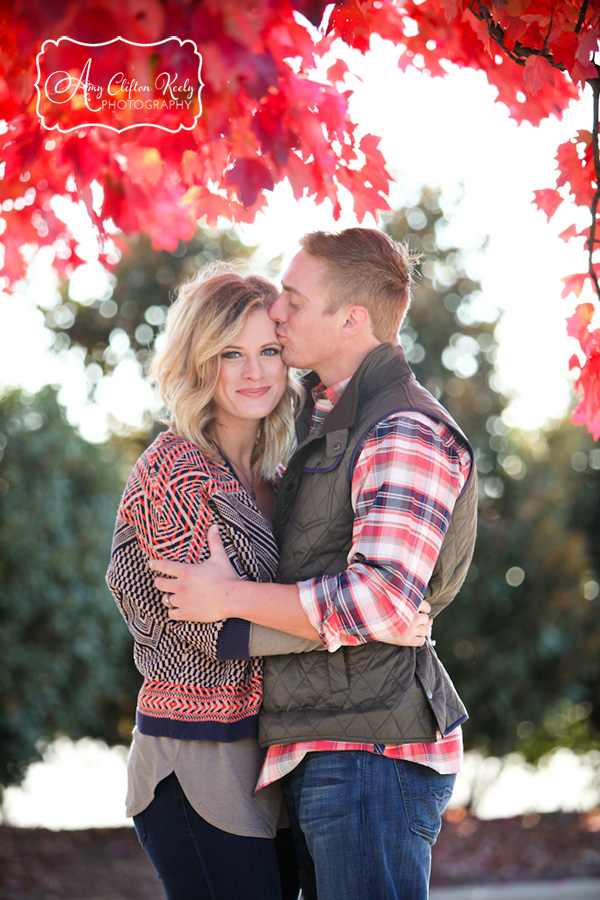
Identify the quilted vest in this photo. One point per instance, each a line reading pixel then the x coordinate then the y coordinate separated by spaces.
pixel 374 692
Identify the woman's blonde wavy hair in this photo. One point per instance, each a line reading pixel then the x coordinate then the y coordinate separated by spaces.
pixel 207 315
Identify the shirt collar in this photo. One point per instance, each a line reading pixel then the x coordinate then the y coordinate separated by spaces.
pixel 331 395
pixel 325 399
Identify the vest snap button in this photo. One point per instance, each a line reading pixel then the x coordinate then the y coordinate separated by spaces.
pixel 430 694
pixel 337 446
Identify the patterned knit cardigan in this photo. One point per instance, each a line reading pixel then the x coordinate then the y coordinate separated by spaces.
pixel 196 684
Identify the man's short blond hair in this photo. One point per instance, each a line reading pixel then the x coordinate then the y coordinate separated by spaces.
pixel 368 268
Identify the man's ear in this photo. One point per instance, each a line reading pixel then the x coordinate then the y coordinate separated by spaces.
pixel 357 318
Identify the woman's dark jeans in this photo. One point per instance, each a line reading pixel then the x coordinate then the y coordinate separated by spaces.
pixel 196 861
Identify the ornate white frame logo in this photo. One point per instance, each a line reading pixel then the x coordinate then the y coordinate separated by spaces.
pixel 120 95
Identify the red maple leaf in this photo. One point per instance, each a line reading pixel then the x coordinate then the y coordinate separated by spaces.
pixel 267 114
pixel 547 200
pixel 578 324
pixel 338 71
pixel 250 177
pixel 573 284
pixel 538 72
pixel 587 411
pixel 576 167
pixel 571 232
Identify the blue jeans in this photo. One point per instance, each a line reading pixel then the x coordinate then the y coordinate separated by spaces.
pixel 364 824
pixel 196 861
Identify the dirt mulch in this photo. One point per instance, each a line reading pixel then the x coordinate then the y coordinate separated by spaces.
pixel 547 847
pixel 108 864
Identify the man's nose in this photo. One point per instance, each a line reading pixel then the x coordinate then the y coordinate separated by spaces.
pixel 276 310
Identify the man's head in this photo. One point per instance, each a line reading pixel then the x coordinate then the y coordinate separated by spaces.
pixel 343 294
pixel 365 267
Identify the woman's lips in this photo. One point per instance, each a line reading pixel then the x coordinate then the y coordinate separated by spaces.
pixel 254 392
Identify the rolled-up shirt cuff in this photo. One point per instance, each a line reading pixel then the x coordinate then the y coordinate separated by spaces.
pixel 309 604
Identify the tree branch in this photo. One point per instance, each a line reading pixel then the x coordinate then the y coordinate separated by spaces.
pixel 549 32
pixel 595 85
pixel 520 53
pixel 494 30
pixel 581 19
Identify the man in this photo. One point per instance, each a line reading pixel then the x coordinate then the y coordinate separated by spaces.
pixel 376 518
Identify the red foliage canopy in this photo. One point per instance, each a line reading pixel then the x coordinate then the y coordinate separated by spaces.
pixel 267 115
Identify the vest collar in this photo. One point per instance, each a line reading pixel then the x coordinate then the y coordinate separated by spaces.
pixel 365 382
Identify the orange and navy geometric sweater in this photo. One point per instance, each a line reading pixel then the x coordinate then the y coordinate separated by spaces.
pixel 198 680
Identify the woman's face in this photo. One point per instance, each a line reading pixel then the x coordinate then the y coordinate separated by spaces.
pixel 252 376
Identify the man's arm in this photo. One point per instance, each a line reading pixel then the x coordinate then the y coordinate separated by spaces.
pixel 211 591
pixel 406 481
pixel 408 476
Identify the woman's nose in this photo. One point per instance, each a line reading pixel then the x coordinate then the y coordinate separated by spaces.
pixel 253 368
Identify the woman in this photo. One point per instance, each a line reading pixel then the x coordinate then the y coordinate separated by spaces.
pixel 194 760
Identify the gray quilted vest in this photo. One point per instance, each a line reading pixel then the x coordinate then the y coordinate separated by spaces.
pixel 372 693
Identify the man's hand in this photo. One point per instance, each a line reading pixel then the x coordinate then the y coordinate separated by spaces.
pixel 419 629
pixel 198 592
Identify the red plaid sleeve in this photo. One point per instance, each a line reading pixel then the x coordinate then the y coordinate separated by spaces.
pixel 408 475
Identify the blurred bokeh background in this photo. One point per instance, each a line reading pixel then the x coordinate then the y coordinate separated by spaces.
pixel 485 333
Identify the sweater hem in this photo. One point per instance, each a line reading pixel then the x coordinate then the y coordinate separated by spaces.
pixel 223 732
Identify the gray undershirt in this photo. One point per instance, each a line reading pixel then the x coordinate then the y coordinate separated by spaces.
pixel 218 779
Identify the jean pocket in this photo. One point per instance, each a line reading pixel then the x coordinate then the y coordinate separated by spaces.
pixel 425 795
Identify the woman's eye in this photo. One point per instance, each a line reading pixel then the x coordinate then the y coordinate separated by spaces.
pixel 230 354
pixel 271 351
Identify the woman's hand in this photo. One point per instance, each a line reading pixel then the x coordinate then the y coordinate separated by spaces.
pixel 197 592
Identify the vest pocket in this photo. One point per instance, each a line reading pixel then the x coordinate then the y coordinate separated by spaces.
pixel 304 683
pixel 338 675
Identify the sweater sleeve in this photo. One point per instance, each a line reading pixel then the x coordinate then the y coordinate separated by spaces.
pixel 164 514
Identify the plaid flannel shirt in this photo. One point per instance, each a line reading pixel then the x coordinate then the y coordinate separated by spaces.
pixel 408 475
